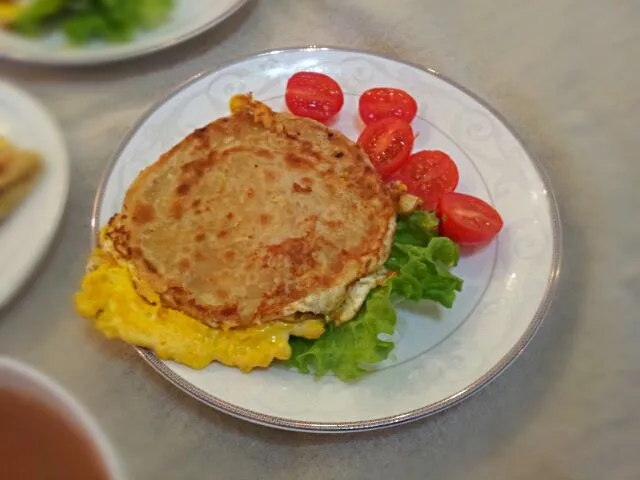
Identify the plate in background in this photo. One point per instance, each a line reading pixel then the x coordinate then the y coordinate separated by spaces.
pixel 26 234
pixel 189 18
pixel 442 356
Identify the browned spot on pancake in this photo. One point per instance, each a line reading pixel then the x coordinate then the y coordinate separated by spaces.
pixel 269 175
pixel 175 210
pixel 250 192
pixel 143 213
pixel 196 203
pixel 335 224
pixel 200 256
pixel 306 181
pixel 296 252
pixel 337 267
pixel 229 215
pixel 307 149
pixel 372 230
pixel 329 134
pixel 149 266
pixel 222 293
pixel 197 168
pixel 296 161
pixel 292 135
pixel 265 218
pixel 200 237
pixel 183 265
pixel 227 311
pixel 301 188
pixel 229 255
pixel 338 154
pixel 233 150
pixel 223 233
pixel 183 189
pixel 263 153
pixel 200 133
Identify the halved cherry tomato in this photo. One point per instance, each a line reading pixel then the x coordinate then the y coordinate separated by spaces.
pixel 313 95
pixel 388 142
pixel 428 174
pixel 378 103
pixel 467 220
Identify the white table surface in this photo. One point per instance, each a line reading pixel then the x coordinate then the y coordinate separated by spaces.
pixel 566 74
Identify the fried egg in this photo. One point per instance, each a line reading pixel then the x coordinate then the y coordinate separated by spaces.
pixel 133 313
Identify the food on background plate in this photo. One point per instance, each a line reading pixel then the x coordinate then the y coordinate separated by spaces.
pixel 260 237
pixel 19 173
pixel 87 20
pixel 9 9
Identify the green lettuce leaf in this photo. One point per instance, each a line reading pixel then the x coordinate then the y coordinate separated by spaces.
pixel 33 19
pixel 152 13
pixel 422 273
pixel 86 20
pixel 345 350
pixel 421 262
pixel 417 229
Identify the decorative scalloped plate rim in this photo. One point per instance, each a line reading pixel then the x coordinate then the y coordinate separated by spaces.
pixel 170 371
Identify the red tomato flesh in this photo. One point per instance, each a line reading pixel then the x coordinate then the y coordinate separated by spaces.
pixel 428 174
pixel 313 95
pixel 378 103
pixel 467 220
pixel 388 143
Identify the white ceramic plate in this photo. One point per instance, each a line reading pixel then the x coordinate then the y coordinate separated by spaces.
pixel 26 234
pixel 189 18
pixel 442 356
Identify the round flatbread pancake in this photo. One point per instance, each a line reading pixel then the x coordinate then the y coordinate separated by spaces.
pixel 255 217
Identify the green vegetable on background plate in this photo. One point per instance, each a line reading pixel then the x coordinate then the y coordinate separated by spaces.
pixel 86 20
pixel 421 261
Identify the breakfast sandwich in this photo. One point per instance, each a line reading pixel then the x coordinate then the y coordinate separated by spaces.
pixel 19 172
pixel 254 228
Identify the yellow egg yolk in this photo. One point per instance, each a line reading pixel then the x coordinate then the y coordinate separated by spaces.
pixel 109 297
